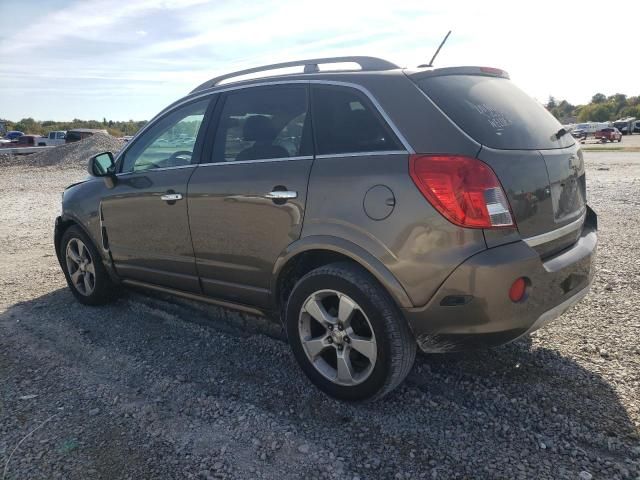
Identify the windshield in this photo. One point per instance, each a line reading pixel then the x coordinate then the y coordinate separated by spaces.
pixel 495 112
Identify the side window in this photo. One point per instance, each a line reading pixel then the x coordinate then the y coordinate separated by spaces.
pixel 262 123
pixel 168 143
pixel 345 121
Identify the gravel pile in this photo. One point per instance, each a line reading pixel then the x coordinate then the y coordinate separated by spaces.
pixel 154 387
pixel 69 154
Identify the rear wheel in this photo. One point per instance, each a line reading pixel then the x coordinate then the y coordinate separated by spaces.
pixel 86 275
pixel 347 334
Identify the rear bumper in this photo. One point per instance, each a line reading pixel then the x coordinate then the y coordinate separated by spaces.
pixel 484 315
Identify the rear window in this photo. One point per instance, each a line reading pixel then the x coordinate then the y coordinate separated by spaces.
pixel 264 123
pixel 495 112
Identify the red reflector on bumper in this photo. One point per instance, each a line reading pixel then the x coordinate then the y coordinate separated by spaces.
pixel 518 290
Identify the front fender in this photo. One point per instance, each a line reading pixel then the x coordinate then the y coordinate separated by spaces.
pixel 62 223
pixel 348 249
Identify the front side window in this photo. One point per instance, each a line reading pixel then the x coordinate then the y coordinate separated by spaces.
pixel 345 121
pixel 263 123
pixel 168 143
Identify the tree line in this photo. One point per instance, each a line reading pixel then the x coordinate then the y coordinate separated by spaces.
pixel 600 109
pixel 35 127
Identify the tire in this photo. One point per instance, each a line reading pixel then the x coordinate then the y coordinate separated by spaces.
pixel 374 324
pixel 90 283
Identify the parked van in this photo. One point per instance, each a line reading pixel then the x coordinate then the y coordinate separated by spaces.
pixel 584 130
pixel 626 125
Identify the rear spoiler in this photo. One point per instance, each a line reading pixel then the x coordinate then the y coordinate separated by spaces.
pixel 433 72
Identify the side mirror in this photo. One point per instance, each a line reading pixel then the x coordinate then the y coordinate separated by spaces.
pixel 103 165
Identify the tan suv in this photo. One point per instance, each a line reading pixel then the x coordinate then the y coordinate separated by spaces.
pixel 372 211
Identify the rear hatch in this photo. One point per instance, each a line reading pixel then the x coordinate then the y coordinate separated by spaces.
pixel 541 172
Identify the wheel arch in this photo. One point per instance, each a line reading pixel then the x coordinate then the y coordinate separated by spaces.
pixel 309 253
pixel 63 223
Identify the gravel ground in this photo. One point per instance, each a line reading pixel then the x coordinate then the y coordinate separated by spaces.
pixel 152 387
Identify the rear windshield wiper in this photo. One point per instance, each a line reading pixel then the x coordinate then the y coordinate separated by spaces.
pixel 559 134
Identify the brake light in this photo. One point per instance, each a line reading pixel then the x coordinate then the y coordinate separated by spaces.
pixel 494 71
pixel 463 189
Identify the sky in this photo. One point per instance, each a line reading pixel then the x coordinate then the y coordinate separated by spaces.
pixel 92 59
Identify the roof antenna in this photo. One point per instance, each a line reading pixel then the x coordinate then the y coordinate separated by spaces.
pixel 437 52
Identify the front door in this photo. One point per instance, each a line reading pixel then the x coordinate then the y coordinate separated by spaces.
pixel 145 214
pixel 246 203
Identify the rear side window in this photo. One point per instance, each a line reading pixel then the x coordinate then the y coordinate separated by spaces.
pixel 345 121
pixel 495 112
pixel 263 123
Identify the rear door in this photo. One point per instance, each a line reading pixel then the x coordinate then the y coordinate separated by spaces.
pixel 144 216
pixel 247 202
pixel 542 173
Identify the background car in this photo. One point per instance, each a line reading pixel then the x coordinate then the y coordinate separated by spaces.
pixel 12 135
pixel 78 134
pixel 53 138
pixel 609 134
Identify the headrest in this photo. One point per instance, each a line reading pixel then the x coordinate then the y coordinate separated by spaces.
pixel 258 128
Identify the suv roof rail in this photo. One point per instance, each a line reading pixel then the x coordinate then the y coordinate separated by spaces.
pixel 310 66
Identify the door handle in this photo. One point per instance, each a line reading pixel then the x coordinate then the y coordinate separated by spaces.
pixel 171 197
pixel 281 195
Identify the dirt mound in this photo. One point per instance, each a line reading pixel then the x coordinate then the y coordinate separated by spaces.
pixel 69 154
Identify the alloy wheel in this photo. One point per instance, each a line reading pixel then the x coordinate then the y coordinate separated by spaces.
pixel 337 337
pixel 80 267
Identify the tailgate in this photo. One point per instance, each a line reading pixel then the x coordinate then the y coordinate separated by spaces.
pixel 540 166
pixel 546 190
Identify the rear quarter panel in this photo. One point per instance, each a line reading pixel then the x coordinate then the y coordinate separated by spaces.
pixel 415 243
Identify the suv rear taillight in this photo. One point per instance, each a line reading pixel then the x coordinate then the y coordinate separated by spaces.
pixel 463 189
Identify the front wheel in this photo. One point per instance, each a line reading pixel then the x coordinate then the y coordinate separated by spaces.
pixel 86 276
pixel 347 334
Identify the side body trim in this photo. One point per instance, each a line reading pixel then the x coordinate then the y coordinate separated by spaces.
pixel 193 296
